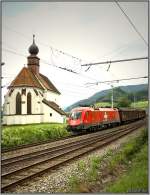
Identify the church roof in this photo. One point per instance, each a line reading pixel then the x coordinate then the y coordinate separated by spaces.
pixel 54 106
pixel 47 83
pixel 27 78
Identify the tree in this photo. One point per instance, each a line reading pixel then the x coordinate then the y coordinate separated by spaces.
pixel 123 102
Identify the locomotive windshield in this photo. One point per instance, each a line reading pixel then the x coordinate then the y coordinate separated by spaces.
pixel 75 115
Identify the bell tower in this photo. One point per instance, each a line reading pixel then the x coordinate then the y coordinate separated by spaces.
pixel 33 60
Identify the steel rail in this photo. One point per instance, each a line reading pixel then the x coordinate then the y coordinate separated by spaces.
pixel 24 146
pixel 18 149
pixel 61 158
pixel 46 166
pixel 48 153
pixel 6 161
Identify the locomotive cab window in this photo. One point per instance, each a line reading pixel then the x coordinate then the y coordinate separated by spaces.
pixel 76 115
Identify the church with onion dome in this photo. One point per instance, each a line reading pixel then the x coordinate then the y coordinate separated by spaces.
pixel 31 96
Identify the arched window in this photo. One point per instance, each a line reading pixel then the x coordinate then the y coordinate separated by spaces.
pixel 18 103
pixel 29 103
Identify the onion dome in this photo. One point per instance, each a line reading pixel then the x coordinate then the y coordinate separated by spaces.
pixel 33 49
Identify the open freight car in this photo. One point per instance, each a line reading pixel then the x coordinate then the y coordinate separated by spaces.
pixel 129 115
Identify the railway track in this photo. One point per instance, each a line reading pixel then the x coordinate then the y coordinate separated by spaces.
pixel 19 168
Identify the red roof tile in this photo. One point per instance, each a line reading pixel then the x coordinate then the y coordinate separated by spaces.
pixel 26 78
pixel 47 83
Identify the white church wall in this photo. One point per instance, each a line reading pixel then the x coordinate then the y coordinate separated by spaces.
pixel 56 117
pixel 36 100
pixel 21 119
pixel 6 106
pixel 40 111
pixel 10 107
pixel 50 96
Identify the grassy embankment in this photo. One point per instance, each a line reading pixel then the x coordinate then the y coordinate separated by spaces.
pixel 25 134
pixel 136 179
pixel 122 171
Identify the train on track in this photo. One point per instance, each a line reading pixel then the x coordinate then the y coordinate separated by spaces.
pixel 90 119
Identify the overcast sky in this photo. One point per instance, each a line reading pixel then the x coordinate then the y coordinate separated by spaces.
pixel 91 31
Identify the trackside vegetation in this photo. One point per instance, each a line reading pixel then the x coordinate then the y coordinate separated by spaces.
pixel 123 103
pixel 140 104
pixel 123 170
pixel 26 134
pixel 136 179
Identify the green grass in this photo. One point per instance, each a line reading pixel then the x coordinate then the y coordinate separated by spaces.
pixel 136 179
pixel 93 167
pixel 140 104
pixel 25 134
pixel 81 165
pixel 74 183
pixel 88 173
pixel 102 104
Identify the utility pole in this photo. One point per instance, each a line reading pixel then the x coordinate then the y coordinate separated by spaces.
pixel 2 64
pixel 134 100
pixel 1 110
pixel 112 97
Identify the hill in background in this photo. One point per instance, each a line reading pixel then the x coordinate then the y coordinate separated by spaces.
pixel 132 92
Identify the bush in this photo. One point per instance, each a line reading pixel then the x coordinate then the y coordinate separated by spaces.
pixel 123 102
pixel 25 134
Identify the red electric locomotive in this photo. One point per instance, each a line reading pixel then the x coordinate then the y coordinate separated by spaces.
pixel 87 118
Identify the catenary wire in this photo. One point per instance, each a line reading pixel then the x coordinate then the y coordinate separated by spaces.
pixel 118 80
pixel 131 23
pixel 115 61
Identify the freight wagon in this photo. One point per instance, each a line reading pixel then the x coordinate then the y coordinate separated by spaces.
pixel 127 115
